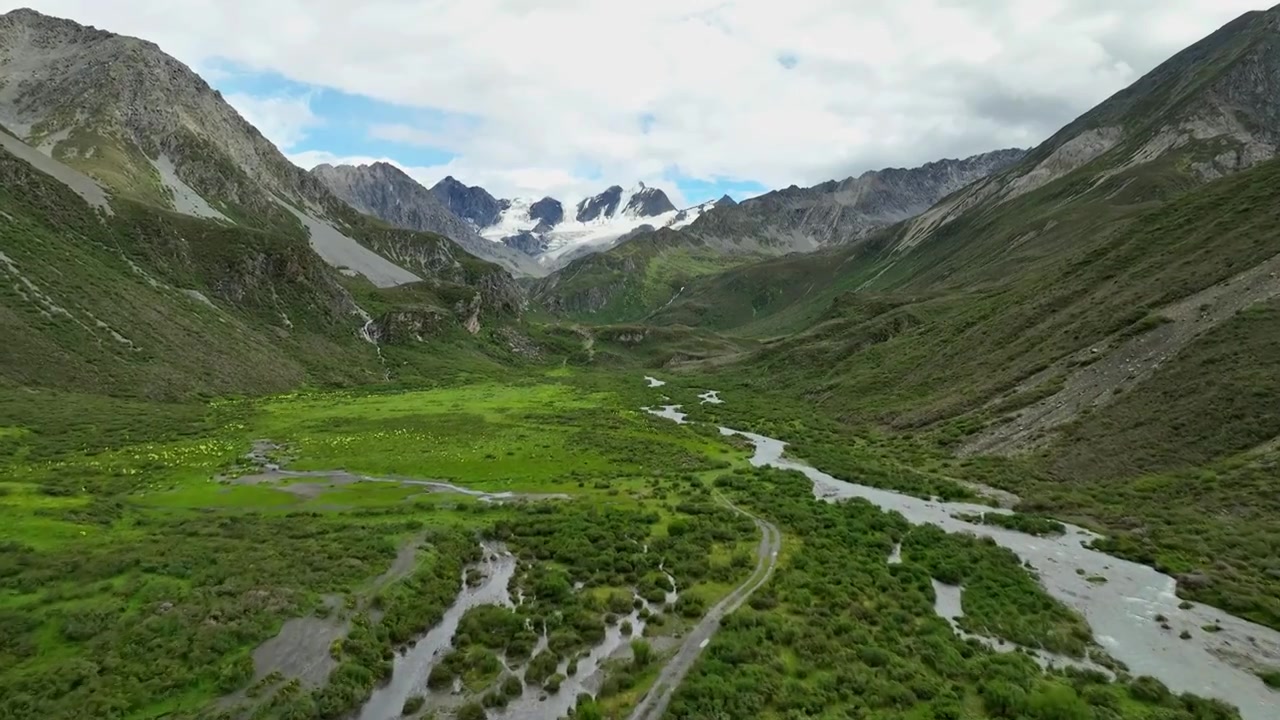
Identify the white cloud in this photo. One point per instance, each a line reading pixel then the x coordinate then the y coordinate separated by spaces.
pixel 555 90
pixel 284 120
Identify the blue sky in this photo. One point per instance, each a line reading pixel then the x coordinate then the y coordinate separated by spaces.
pixel 313 123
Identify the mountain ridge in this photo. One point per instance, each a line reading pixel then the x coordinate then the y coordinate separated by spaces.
pixel 628 287
pixel 384 191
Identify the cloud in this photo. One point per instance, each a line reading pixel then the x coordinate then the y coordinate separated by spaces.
pixel 283 119
pixel 571 95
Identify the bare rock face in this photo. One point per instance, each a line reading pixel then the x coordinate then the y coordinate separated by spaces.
pixel 548 212
pixel 387 193
pixel 840 211
pixel 600 206
pixel 641 201
pixel 528 242
pixel 648 202
pixel 112 106
pixel 473 203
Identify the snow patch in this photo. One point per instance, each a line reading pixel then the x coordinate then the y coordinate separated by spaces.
pixel 570 235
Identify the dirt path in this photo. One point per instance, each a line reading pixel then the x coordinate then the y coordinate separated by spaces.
pixel 655 702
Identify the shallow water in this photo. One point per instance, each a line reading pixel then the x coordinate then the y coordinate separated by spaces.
pixel 273 473
pixel 1121 611
pixel 409 676
pixel 947 603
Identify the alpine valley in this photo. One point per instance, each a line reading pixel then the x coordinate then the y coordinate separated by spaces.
pixel 995 437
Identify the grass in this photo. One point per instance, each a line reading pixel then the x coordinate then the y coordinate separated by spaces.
pixel 108 525
pixel 632 281
pixel 882 376
pixel 164 545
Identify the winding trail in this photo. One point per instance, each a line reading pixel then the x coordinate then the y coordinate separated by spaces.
pixel 655 702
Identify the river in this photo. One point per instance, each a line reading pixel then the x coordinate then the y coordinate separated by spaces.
pixel 1122 611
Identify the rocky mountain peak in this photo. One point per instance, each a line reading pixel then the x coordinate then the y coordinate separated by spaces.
pixel 472 203
pixel 648 202
pixel 604 205
pixel 548 212
pixel 641 201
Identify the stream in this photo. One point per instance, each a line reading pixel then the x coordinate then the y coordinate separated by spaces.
pixel 409 675
pixel 1122 611
pixel 412 666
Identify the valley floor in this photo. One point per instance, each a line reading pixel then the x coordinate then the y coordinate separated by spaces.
pixel 286 556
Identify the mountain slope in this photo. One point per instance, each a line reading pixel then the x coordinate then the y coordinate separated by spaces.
pixel 620 285
pixel 157 244
pixel 146 127
pixel 387 193
pixel 1208 111
pixel 1094 328
pixel 848 210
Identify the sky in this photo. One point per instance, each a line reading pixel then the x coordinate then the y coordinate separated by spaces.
pixel 698 97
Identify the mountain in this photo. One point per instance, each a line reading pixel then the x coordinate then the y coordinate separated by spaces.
pixel 624 286
pixel 640 202
pixel 1096 327
pixel 160 245
pixel 387 193
pixel 1208 111
pixel 541 229
pixel 832 212
pixel 473 204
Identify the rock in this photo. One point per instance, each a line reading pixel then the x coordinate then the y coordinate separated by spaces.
pixel 839 211
pixel 603 205
pixel 469 203
pixel 548 211
pixel 1194 581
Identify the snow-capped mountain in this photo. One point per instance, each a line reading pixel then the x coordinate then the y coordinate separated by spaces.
pixel 542 229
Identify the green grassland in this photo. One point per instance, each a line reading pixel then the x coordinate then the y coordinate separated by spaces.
pixel 123 536
pixel 139 573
